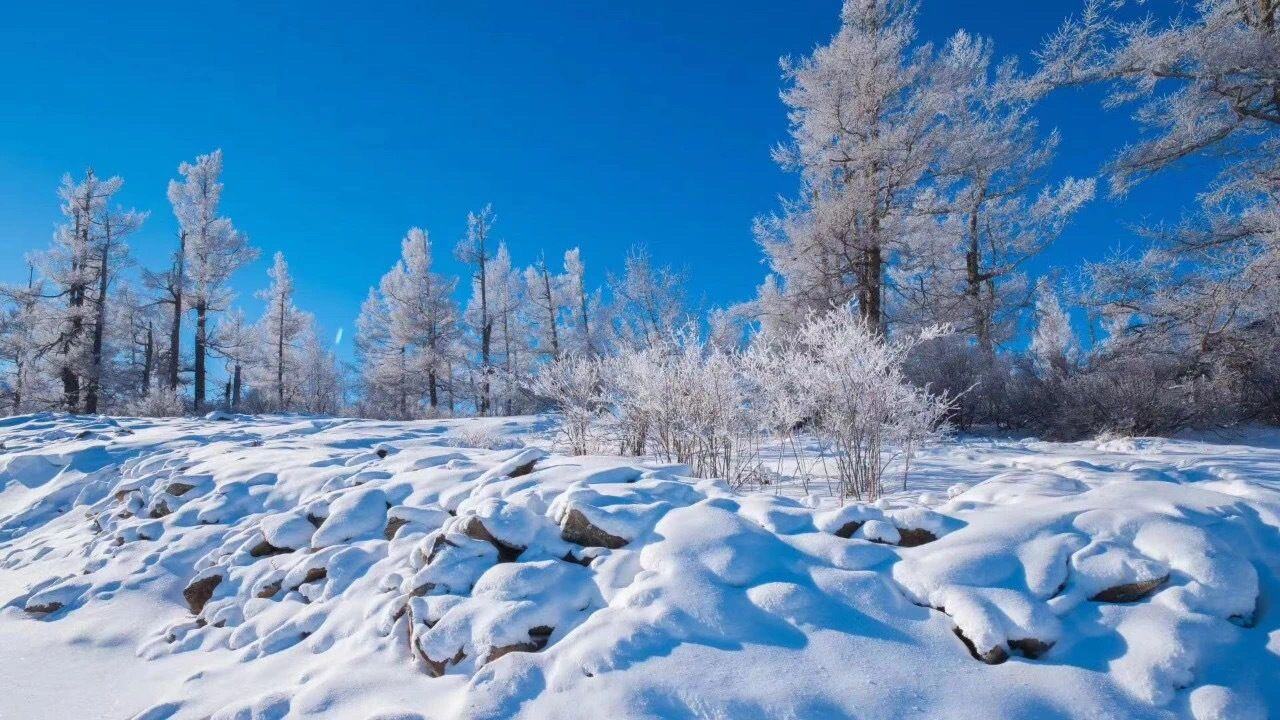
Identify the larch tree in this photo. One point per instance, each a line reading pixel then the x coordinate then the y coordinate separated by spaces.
pixel 280 333
pixel 648 302
pixel 473 250
pixel 997 211
pixel 1204 85
pixel 544 293
pixel 865 124
pixel 213 251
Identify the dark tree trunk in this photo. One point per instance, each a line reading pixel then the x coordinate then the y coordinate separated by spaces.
pixel 148 359
pixel 175 328
pixel 202 341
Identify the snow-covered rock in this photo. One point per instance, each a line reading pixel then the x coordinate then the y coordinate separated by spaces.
pixel 310 567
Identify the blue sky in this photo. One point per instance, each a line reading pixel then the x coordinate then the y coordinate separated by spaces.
pixel 589 124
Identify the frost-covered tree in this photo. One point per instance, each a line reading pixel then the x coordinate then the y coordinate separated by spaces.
pixel 213 250
pixel 473 250
pixel 508 308
pixel 281 332
pixel 25 382
pixel 648 302
pixel 405 334
pixel 69 301
pixel 865 126
pixel 240 344
pixel 545 293
pixel 996 209
pixel 585 331
pixel 1203 84
pixel 1053 345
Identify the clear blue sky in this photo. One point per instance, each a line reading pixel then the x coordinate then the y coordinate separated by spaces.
pixel 600 125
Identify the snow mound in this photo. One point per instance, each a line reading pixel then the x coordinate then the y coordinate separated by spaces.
pixel 307 567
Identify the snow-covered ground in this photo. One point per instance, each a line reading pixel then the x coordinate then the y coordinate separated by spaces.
pixel 297 567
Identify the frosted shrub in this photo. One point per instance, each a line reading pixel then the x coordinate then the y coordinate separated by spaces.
pixel 864 409
pixel 158 402
pixel 685 403
pixel 573 384
pixel 783 400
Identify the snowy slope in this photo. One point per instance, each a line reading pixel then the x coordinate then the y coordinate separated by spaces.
pixel 294 567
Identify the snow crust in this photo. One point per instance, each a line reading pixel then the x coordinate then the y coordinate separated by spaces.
pixel 291 567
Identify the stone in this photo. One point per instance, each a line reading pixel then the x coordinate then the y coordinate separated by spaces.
pixel 1130 592
pixel 1030 648
pixel 475 529
pixel 848 529
pixel 577 529
pixel 911 537
pixel 994 656
pixel 197 594
pixel 178 489
pixel 393 526
pixel 538 638
pixel 265 549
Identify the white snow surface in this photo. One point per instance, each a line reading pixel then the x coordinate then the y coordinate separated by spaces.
pixel 363 569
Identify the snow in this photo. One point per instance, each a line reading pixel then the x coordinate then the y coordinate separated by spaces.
pixel 295 567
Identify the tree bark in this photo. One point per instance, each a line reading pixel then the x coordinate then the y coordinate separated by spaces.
pixel 175 328
pixel 202 339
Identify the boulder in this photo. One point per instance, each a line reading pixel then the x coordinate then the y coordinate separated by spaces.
pixel 1130 592
pixel 197 594
pixel 579 530
pixel 475 528
pixel 992 656
pixel 538 638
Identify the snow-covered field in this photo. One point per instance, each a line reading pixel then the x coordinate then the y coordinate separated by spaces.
pixel 284 567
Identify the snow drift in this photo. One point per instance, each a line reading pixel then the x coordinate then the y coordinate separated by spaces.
pixel 241 567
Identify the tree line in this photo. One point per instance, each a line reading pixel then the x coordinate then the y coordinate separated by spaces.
pixel 924 191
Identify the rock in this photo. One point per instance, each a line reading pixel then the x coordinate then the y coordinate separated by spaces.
pixel 524 469
pixel 265 549
pixel 577 529
pixel 197 594
pixel 474 528
pixel 393 525
pixel 52 606
pixel 159 509
pixel 1130 592
pixel 994 656
pixel 436 668
pixel 178 489
pixel 1030 647
pixel 848 529
pixel 315 520
pixel 583 561
pixel 269 590
pixel 538 638
pixel 911 537
pixel 440 543
pixel 315 574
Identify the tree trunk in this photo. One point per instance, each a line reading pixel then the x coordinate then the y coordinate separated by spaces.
pixel 99 319
pixel 148 359
pixel 202 339
pixel 280 357
pixel 551 312
pixel 235 387
pixel 175 328
pixel 975 280
pixel 486 333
